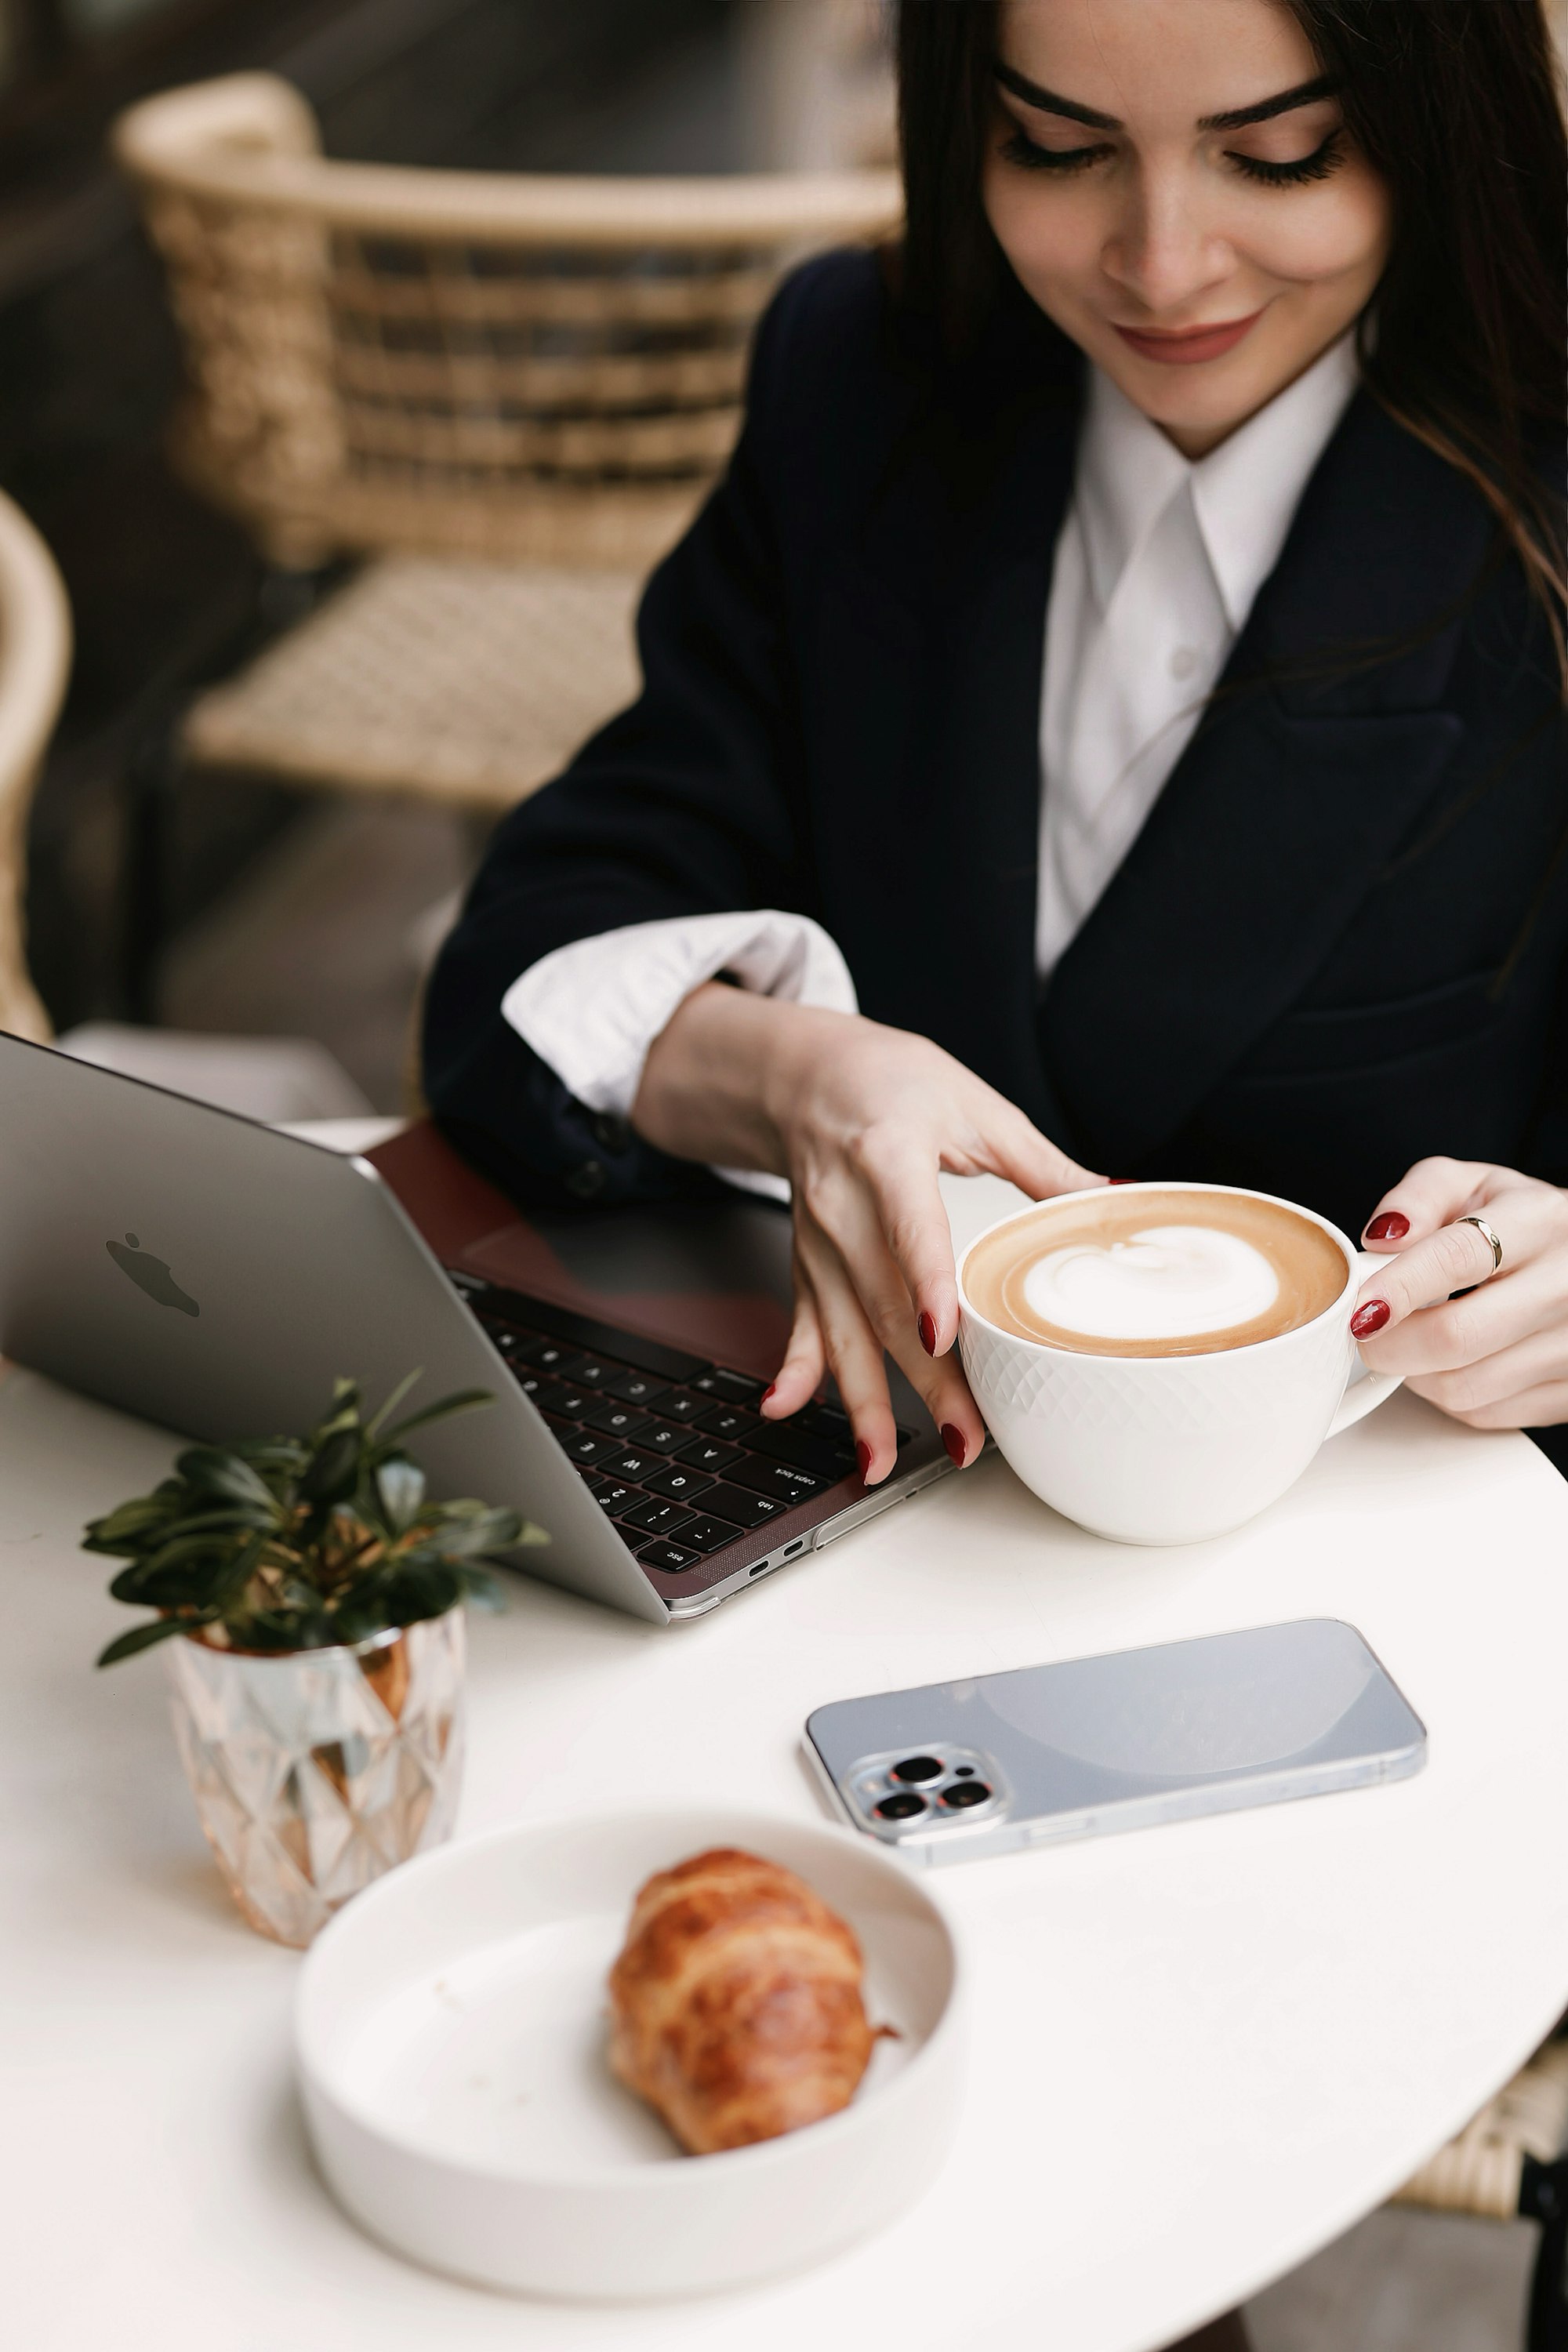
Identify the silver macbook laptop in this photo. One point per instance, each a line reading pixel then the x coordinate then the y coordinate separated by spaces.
pixel 217 1276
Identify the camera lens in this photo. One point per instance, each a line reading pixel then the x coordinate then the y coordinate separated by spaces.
pixel 972 1792
pixel 917 1767
pixel 964 1772
pixel 901 1806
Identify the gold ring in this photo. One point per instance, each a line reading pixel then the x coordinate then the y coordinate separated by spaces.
pixel 1486 1235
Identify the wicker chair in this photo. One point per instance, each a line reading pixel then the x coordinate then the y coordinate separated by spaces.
pixel 1510 2163
pixel 35 662
pixel 452 371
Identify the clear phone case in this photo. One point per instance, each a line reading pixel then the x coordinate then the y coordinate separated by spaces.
pixel 1120 1742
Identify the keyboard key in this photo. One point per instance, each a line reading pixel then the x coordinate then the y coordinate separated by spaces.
pixel 707 1454
pixel 709 1535
pixel 829 1420
pixel 562 1427
pixel 627 1421
pixel 586 1445
pixel 681 1484
pixel 635 1388
pixel 670 1558
pixel 728 1421
pixel 747 1510
pixel 779 1479
pixel 594 1370
pixel 681 1404
pixel 661 1436
pixel 787 1443
pixel 553 1356
pixel 614 1498
pixel 635 1464
pixel 656 1518
pixel 732 1387
pixel 555 1396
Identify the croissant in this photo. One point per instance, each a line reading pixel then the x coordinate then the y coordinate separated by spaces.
pixel 735 2002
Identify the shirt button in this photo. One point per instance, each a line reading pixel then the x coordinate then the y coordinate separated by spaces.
pixel 586 1180
pixel 1183 662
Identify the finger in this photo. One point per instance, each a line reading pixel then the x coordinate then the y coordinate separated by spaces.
pixel 912 1217
pixel 1535 1362
pixel 1540 1408
pixel 857 1235
pixel 1462 1331
pixel 1012 1146
pixel 1429 1195
pixel 805 1360
pixel 1427 1270
pixel 854 1353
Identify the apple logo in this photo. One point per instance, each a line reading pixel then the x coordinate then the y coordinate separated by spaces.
pixel 150 1273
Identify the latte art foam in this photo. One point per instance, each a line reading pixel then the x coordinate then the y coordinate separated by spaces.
pixel 1169 1282
pixel 1155 1273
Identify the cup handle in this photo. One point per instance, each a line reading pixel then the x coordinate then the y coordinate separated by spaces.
pixel 1364 1395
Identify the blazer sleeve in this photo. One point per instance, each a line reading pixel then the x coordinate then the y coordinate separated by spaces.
pixel 688 803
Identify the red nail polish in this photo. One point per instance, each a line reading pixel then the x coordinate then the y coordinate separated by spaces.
pixel 1369 1318
pixel 1390 1227
pixel 862 1456
pixel 771 1390
pixel 956 1441
pixel 1121 1180
pixel 927 1329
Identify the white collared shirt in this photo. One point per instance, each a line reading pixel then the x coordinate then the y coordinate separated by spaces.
pixel 1158 563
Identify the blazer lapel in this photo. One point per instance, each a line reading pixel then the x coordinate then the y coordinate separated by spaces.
pixel 1306 776
pixel 952 865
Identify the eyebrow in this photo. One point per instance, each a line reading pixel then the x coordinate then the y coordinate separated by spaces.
pixel 1236 118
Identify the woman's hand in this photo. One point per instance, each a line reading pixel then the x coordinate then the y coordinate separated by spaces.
pixel 1498 1357
pixel 860 1119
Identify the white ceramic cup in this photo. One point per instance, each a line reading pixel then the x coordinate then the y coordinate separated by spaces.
pixel 1170 1449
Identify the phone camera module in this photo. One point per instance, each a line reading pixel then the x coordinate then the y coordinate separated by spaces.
pixel 901 1806
pixel 917 1769
pixel 968 1793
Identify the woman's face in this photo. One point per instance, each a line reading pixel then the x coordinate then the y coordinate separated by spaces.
pixel 1173 183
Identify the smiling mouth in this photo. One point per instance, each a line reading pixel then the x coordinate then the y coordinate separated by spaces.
pixel 1187 346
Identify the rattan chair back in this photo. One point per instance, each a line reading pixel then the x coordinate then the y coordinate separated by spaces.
pixel 548 370
pixel 35 662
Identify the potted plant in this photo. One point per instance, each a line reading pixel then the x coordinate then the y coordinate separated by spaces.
pixel 310 1596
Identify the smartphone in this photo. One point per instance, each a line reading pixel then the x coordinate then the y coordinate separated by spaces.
pixel 1095 1744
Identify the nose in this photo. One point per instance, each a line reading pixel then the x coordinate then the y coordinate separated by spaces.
pixel 1162 251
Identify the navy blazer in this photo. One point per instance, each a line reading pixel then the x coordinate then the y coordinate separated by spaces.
pixel 1339 942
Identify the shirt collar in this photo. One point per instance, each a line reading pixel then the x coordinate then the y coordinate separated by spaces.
pixel 1245 493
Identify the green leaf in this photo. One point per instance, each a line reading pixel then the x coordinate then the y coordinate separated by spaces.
pixel 468 1539
pixel 393 1401
pixel 400 1490
pixel 334 1475
pixel 141 1637
pixel 213 1471
pixel 464 1400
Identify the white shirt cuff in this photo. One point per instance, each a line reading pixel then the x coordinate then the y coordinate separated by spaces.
pixel 591 1010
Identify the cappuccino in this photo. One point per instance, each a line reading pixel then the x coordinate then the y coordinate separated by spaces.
pixel 1155 1273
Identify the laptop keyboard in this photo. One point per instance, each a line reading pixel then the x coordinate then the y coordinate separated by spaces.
pixel 672 1449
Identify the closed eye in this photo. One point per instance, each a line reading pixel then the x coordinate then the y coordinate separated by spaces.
pixel 1315 167
pixel 1031 158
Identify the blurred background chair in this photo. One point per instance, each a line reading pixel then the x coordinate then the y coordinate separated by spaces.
pixel 511 390
pixel 35 663
pixel 271 1078
pixel 1509 2163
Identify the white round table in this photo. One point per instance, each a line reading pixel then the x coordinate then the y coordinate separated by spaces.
pixel 1198 2052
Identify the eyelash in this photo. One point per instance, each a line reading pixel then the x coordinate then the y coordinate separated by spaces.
pixel 1315 167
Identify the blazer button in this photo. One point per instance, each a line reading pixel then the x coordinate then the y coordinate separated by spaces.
pixel 612 1132
pixel 586 1180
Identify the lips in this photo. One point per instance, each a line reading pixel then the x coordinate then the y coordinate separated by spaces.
pixel 1188 346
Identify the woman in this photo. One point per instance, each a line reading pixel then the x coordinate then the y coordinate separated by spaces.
pixel 1111 720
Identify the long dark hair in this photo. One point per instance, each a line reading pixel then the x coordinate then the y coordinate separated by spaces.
pixel 1454 103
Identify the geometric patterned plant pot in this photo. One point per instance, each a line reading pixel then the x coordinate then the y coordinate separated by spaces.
pixel 315 1772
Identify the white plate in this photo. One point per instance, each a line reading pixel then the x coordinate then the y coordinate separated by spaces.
pixel 451 2035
